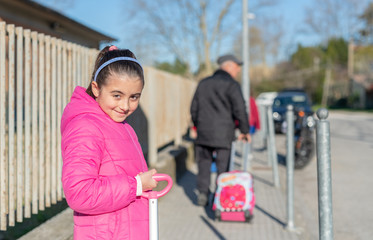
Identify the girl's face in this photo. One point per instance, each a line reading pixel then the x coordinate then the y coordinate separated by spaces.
pixel 119 97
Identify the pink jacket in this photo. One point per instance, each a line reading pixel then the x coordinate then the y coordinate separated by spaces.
pixel 100 161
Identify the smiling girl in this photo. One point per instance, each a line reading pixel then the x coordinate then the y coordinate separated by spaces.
pixel 104 171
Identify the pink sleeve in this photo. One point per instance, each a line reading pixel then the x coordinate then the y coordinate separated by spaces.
pixel 85 190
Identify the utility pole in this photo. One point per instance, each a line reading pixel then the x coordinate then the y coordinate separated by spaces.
pixel 245 55
pixel 246 16
pixel 245 72
pixel 350 58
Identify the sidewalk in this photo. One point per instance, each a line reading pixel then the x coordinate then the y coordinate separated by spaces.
pixel 180 217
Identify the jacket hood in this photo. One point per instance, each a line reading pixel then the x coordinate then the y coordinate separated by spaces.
pixel 80 103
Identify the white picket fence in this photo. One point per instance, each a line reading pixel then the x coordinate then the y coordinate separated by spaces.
pixel 37 76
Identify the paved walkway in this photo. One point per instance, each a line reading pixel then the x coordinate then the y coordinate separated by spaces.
pixel 180 217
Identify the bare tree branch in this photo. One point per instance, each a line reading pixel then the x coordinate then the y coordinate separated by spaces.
pixel 190 30
pixel 333 18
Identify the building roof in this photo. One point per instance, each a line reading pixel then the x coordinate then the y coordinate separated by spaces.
pixel 36 17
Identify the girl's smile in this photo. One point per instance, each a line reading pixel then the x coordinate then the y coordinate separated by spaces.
pixel 119 97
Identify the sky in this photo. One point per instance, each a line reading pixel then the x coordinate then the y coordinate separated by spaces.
pixel 107 17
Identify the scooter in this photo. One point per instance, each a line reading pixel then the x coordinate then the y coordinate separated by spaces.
pixel 303 138
pixel 304 142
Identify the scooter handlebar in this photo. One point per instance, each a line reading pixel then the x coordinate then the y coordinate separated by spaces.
pixel 155 194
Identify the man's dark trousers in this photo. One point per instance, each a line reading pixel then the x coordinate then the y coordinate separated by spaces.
pixel 204 160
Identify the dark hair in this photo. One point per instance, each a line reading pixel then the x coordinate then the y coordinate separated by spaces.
pixel 129 68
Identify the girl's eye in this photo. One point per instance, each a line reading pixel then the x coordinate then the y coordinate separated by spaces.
pixel 117 96
pixel 135 97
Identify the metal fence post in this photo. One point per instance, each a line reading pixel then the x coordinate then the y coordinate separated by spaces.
pixel 324 176
pixel 263 124
pixel 290 167
pixel 272 147
pixel 267 140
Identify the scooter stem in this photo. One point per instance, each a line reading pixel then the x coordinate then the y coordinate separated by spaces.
pixel 153 204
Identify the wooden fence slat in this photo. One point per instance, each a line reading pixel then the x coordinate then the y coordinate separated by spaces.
pixel 20 160
pixel 27 169
pixel 3 160
pixel 48 154
pixel 41 123
pixel 86 74
pixel 64 74
pixel 79 63
pixel 64 102
pixel 35 142
pixel 59 116
pixel 54 122
pixel 11 119
pixel 69 71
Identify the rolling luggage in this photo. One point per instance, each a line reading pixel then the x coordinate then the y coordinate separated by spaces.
pixel 234 197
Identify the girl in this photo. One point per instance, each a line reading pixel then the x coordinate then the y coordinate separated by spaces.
pixel 104 171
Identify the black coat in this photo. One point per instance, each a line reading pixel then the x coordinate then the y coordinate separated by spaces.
pixel 216 104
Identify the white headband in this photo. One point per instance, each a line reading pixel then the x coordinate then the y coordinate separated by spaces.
pixel 115 60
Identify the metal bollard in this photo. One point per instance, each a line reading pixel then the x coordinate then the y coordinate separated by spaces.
pixel 290 167
pixel 324 176
pixel 272 152
pixel 268 142
pixel 263 123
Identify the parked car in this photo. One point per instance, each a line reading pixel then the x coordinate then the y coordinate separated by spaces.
pixel 299 100
pixel 266 98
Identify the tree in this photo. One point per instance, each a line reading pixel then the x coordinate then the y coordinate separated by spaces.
pixel 363 60
pixel 305 57
pixel 189 30
pixel 333 18
pixel 337 51
pixel 196 32
pixel 177 67
pixel 366 33
pixel 265 38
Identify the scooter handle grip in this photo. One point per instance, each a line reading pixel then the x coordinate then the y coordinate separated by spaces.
pixel 155 194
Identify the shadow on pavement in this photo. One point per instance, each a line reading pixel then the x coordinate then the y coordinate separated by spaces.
pixel 281 159
pixel 217 233
pixel 208 209
pixel 262 180
pixel 188 182
pixel 269 215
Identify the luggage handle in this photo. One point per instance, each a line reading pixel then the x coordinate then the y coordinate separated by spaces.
pixel 155 194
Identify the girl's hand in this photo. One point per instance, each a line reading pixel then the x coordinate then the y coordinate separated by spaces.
pixel 148 183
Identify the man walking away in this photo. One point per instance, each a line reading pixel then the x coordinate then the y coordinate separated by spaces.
pixel 216 107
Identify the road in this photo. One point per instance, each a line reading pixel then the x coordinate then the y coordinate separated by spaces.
pixel 352 182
